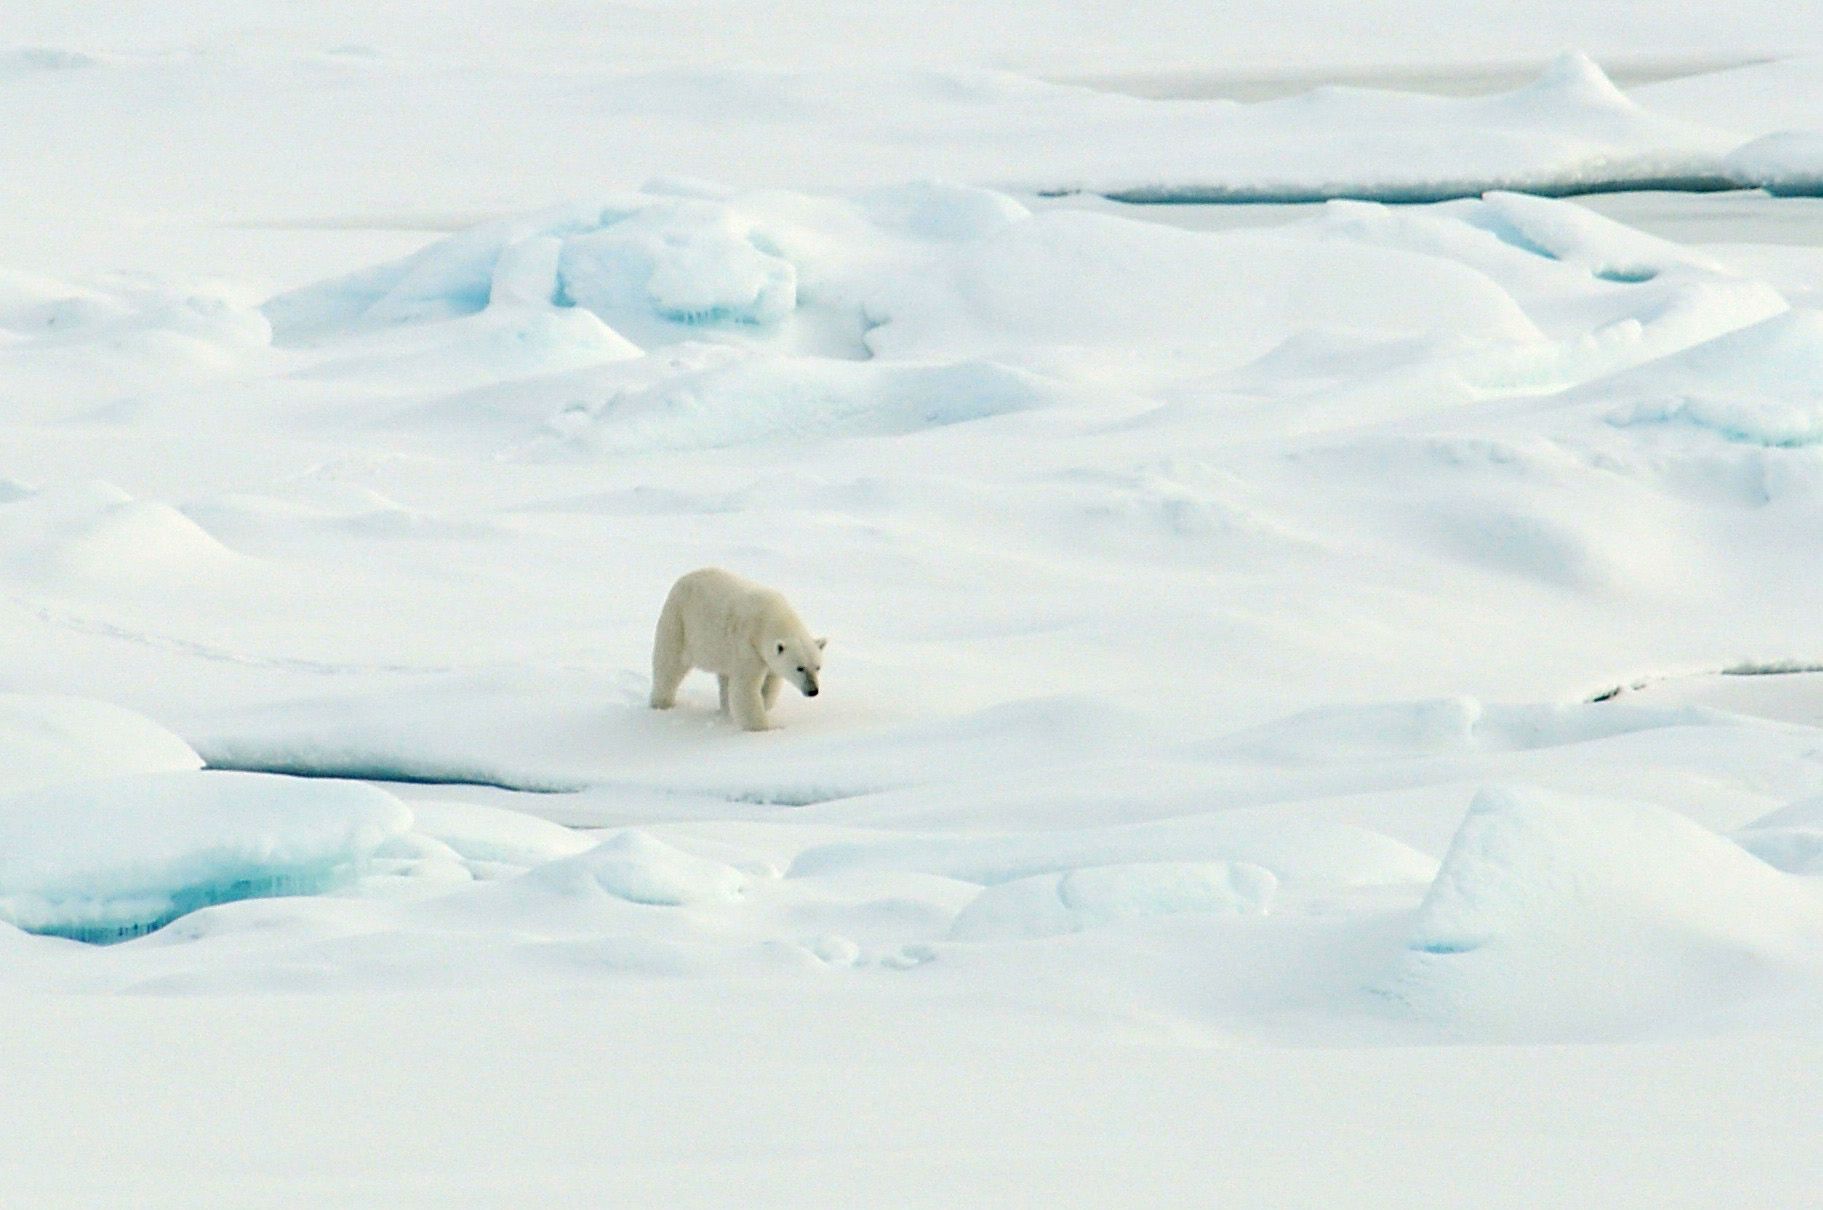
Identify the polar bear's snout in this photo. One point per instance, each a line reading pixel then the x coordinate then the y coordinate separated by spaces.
pixel 805 678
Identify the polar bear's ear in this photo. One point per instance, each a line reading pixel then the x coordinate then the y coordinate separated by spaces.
pixel 822 643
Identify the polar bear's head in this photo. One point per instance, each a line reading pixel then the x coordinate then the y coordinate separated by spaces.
pixel 797 659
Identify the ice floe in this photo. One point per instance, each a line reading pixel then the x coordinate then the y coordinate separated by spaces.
pixel 105 860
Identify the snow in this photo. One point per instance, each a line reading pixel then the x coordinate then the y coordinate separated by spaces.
pixel 1343 669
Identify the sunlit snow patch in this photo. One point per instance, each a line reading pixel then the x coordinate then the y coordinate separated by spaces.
pixel 107 860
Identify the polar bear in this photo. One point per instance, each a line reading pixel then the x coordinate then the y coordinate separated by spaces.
pixel 744 633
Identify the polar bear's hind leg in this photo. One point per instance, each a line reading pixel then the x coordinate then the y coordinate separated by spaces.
pixel 669 663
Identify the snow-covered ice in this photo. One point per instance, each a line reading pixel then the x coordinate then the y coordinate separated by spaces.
pixel 1343 671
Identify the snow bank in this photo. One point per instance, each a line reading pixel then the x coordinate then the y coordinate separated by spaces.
pixel 1556 916
pixel 1786 164
pixel 639 868
pixel 1569 131
pixel 1292 851
pixel 45 739
pixel 1051 904
pixel 514 733
pixel 1790 838
pixel 110 859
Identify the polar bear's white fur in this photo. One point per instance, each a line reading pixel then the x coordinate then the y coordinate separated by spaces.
pixel 746 634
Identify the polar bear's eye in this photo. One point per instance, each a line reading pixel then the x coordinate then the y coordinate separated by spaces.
pixel 781 649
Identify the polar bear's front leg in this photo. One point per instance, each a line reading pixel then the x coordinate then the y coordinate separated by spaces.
pixel 769 690
pixel 722 682
pixel 749 707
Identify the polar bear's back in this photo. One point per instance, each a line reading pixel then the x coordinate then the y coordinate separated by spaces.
pixel 721 614
pixel 715 589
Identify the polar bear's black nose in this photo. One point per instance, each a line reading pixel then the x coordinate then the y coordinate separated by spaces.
pixel 811 691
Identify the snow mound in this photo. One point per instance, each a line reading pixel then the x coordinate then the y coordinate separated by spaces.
pixel 1790 838
pixel 111 859
pixel 47 739
pixel 1759 385
pixel 1555 916
pixel 639 868
pixel 1292 851
pixel 1788 163
pixel 94 531
pixel 1053 904
pixel 490 834
pixel 686 260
